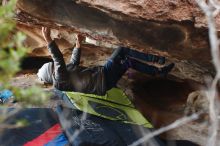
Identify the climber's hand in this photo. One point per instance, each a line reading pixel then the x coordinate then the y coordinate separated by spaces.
pixel 79 39
pixel 46 35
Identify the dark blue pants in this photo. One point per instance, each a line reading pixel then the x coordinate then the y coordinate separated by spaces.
pixel 121 60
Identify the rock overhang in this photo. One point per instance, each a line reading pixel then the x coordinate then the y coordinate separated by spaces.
pixel 178 38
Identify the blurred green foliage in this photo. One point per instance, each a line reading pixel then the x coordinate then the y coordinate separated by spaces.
pixel 11 53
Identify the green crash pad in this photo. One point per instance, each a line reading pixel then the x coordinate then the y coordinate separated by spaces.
pixel 115 105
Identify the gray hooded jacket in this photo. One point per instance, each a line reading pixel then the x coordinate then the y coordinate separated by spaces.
pixel 73 77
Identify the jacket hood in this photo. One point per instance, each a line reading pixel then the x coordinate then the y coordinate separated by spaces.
pixel 45 73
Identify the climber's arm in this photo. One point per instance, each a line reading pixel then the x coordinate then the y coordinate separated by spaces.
pixel 76 53
pixel 60 70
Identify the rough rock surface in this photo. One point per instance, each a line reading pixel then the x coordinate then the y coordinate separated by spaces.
pixel 163 10
pixel 197 101
pixel 181 41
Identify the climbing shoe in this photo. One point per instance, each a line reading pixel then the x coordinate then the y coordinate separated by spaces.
pixel 161 60
pixel 166 69
pixel 156 59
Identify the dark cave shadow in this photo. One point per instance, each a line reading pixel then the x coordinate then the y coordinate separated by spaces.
pixel 161 100
pixel 33 63
pixel 161 91
pixel 155 97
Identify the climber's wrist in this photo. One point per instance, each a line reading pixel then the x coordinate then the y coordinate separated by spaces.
pixel 78 44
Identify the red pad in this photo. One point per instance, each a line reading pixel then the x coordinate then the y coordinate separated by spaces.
pixel 47 136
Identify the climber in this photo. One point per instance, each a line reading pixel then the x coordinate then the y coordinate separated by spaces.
pixel 94 80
